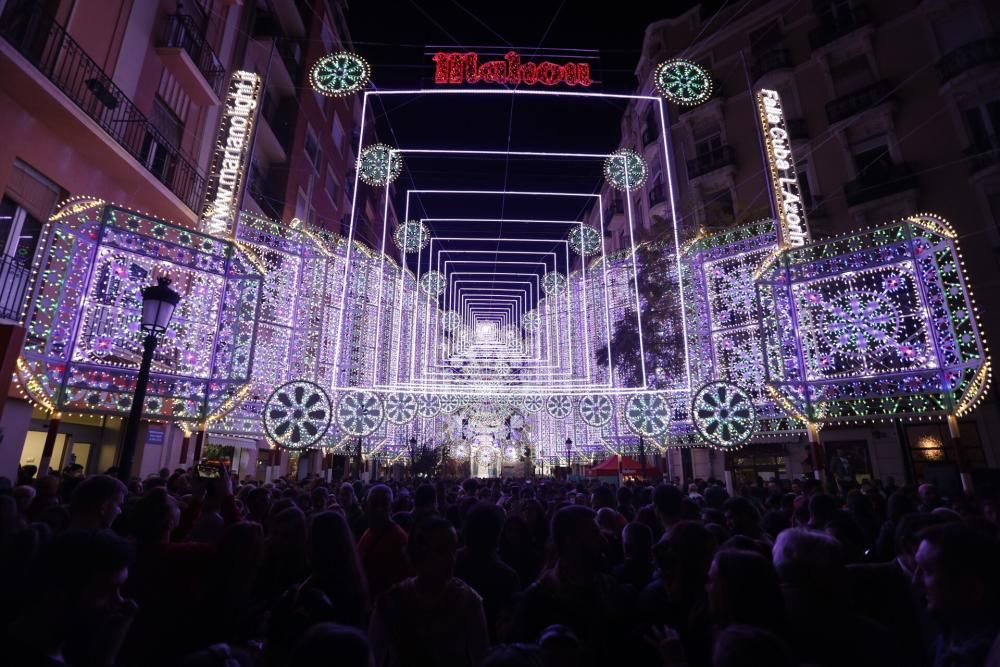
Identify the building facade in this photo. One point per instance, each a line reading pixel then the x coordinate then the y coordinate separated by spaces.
pixel 121 100
pixel 893 108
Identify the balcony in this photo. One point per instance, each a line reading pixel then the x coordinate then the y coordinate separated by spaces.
pixel 966 57
pixel 657 195
pixel 290 52
pixel 191 61
pixel 797 128
pixel 708 162
pixel 47 47
pixel 14 278
pixel 858 101
pixel 267 191
pixel 834 27
pixel 770 61
pixel 983 155
pixel 276 131
pixel 876 183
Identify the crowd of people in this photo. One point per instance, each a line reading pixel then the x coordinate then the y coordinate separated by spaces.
pixel 193 568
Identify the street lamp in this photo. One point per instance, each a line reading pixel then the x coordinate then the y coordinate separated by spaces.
pixel 158 303
pixel 569 457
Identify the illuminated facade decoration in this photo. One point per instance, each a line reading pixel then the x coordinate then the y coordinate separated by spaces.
pixel 625 170
pixel 339 74
pixel 683 82
pixel 872 325
pixel 723 414
pixel 379 165
pixel 788 202
pixel 297 415
pixel 452 68
pixel 232 151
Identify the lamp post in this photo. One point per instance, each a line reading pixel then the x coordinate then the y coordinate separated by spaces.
pixel 158 303
pixel 413 456
pixel 569 457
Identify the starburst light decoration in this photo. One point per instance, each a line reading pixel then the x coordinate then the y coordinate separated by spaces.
pixel 379 165
pixel 723 414
pixel 432 283
pixel 559 406
pixel 683 82
pixel 339 74
pixel 625 170
pixel 596 410
pixel 411 236
pixel 451 321
pixel 400 407
pixel 584 240
pixel 553 283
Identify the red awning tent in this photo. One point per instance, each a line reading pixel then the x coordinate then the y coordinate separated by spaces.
pixel 609 467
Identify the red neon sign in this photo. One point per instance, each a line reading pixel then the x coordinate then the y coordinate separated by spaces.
pixel 458 68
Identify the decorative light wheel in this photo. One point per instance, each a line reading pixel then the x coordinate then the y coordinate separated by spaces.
pixel 596 410
pixel 379 165
pixel 451 403
pixel 428 405
pixel 723 414
pixel 532 403
pixel 411 236
pixel 339 74
pixel 625 170
pixel 647 414
pixel 683 82
pixel 400 407
pixel 432 283
pixel 360 413
pixel 553 282
pixel 559 406
pixel 297 414
pixel 451 321
pixel 584 240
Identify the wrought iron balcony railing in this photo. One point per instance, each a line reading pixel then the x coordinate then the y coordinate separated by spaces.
pixel 710 161
pixel 181 32
pixel 47 46
pixel 876 183
pixel 848 105
pixel 832 26
pixel 983 154
pixel 13 287
pixel 968 56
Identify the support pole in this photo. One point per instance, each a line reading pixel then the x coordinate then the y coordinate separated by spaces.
pixel 135 414
pixel 955 439
pixel 727 472
pixel 816 451
pixel 50 444
pixel 199 443
pixel 185 445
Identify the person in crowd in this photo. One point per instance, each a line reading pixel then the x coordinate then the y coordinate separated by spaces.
pixel 479 565
pixel 743 589
pixel 433 618
pixel 637 569
pixel 324 640
pixel 927 494
pixel 382 547
pixel 743 518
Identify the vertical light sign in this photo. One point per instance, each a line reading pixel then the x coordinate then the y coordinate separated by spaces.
pixel 792 225
pixel 232 150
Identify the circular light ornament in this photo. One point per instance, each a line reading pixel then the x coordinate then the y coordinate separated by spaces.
pixel 647 414
pixel 432 283
pixel 532 403
pixel 531 321
pixel 428 405
pixel 339 74
pixel 379 164
pixel 451 403
pixel 450 321
pixel 411 236
pixel 360 413
pixel 723 414
pixel 596 410
pixel 297 414
pixel 400 407
pixel 559 406
pixel 625 170
pixel 553 283
pixel 584 240
pixel 683 82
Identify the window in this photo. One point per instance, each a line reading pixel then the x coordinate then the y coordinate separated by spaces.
pixel 851 75
pixel 871 156
pixel 312 149
pixel 718 207
pixel 709 145
pixel 983 123
pixel 301 206
pixel 19 231
pixel 332 189
pixel 802 170
pixel 766 37
pixel 955 27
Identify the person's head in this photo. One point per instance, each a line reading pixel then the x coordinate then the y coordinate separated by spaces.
pixel 773 522
pixel 684 554
pixel 809 561
pixel 749 646
pixel 432 548
pixel 560 646
pixel 23 495
pixel 576 537
pixel 97 502
pixel 607 520
pixel 822 508
pixel 957 569
pixel 331 545
pixel 637 540
pixel 742 518
pixel 482 527
pixel 899 503
pixel 928 494
pixel 514 655
pixel 378 505
pixel 345 496
pixel 602 496
pixel 743 588
pixel 324 640
pixel 287 531
pixel 425 499
pixel 907 530
pixel 624 496
pixel 667 501
pixel 154 517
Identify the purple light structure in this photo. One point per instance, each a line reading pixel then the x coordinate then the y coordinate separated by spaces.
pixel 874 325
pixel 84 340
